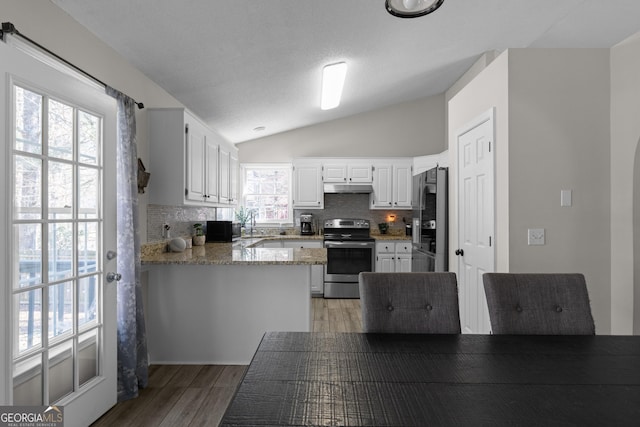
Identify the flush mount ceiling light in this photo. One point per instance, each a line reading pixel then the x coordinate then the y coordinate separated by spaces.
pixel 411 8
pixel 332 82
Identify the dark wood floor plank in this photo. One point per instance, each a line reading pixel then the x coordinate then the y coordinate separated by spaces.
pixel 159 407
pixel 162 375
pixel 185 376
pixel 207 376
pixel 186 408
pixel 213 408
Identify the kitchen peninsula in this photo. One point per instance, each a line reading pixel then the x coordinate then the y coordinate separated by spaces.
pixel 212 304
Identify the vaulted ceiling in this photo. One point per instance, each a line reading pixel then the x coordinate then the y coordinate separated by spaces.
pixel 240 65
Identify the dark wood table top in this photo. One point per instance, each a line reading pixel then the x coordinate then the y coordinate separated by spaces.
pixel 351 379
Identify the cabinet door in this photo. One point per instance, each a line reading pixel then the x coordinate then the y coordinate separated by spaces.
pixel 223 164
pixel 195 176
pixel 385 263
pixel 359 173
pixel 402 181
pixel 307 186
pixel 403 263
pixel 382 189
pixel 334 173
pixel 233 178
pixel 211 172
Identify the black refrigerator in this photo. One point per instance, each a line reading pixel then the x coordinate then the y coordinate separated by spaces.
pixel 430 221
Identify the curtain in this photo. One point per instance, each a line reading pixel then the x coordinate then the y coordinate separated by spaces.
pixel 132 341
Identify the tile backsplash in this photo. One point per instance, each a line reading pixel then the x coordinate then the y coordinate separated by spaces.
pixel 181 218
pixel 355 206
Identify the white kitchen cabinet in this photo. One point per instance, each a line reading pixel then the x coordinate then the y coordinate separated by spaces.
pixel 184 159
pixel 393 256
pixel 233 178
pixel 307 185
pixel 224 159
pixel 196 152
pixel 392 184
pixel 347 171
pixel 402 185
pixel 210 171
pixel 403 256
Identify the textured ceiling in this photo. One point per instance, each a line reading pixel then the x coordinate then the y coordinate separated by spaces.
pixel 243 64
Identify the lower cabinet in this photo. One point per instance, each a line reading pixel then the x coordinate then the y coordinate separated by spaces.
pixel 393 256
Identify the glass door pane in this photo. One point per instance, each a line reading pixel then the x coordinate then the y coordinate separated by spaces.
pixel 57 222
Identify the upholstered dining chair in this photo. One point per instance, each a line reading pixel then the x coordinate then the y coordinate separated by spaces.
pixel 418 303
pixel 538 304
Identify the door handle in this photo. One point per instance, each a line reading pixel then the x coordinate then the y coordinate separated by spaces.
pixel 459 252
pixel 113 277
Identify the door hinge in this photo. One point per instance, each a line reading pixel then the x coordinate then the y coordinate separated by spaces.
pixel 489 146
pixel 186 128
pixel 186 191
pixel 489 241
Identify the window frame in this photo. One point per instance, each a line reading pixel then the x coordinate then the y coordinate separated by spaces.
pixel 244 167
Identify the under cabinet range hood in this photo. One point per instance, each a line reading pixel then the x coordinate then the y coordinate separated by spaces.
pixel 348 188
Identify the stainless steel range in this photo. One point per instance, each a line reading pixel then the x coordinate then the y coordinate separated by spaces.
pixel 350 250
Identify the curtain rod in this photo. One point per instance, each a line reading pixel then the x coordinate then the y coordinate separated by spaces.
pixel 9 28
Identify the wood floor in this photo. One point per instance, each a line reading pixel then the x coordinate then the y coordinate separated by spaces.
pixel 198 395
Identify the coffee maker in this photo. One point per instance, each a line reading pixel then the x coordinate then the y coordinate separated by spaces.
pixel 306 224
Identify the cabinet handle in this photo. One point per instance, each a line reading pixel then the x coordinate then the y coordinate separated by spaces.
pixel 390 203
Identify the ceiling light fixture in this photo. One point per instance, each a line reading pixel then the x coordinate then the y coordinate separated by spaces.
pixel 333 76
pixel 412 8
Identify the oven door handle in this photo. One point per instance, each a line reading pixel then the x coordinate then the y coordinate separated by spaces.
pixel 349 244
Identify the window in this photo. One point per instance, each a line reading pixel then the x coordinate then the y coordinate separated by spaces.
pixel 267 192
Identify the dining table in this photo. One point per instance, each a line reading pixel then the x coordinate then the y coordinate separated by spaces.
pixel 363 379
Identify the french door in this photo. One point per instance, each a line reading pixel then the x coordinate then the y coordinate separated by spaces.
pixel 60 228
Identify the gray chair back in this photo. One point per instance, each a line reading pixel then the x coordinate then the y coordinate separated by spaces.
pixel 538 304
pixel 410 303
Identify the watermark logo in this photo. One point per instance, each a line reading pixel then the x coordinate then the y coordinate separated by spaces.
pixel 31 416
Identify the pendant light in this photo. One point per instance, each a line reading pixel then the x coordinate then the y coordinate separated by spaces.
pixel 412 8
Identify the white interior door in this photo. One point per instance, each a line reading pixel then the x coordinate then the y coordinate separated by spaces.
pixel 475 221
pixel 59 153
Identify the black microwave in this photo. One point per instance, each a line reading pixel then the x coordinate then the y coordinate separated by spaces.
pixel 222 231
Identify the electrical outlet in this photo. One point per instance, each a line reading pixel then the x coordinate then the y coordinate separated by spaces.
pixel 535 236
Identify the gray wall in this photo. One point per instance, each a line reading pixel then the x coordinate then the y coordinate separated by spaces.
pixel 409 129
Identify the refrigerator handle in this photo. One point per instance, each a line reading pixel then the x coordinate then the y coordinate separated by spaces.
pixel 416 231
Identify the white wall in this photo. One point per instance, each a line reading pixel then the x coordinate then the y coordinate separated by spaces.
pixel 552 133
pixel 488 90
pixel 625 186
pixel 409 129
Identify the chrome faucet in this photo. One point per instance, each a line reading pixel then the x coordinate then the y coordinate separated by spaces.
pixel 252 221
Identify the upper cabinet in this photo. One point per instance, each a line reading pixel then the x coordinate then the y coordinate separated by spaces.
pixel 347 171
pixel 190 163
pixel 392 183
pixel 307 184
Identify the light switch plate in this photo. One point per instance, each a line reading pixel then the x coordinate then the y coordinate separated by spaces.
pixel 565 197
pixel 535 236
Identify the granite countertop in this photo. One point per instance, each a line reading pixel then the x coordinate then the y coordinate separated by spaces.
pixel 241 253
